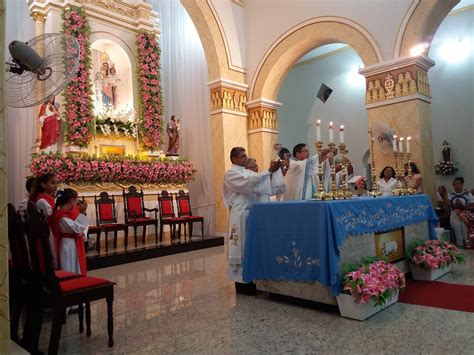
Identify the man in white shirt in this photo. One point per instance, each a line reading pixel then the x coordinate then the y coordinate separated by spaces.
pixel 241 189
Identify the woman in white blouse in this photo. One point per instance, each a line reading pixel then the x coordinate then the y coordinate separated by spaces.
pixel 387 181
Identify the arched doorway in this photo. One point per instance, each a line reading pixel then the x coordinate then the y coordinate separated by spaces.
pixel 287 50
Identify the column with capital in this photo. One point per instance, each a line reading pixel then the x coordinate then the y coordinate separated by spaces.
pixel 404 106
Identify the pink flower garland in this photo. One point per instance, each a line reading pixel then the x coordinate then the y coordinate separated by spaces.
pixel 376 281
pixel 92 169
pixel 78 93
pixel 149 88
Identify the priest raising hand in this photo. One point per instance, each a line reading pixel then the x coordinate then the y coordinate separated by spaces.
pixel 243 187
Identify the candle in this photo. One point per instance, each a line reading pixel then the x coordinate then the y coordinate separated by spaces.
pixel 331 133
pixel 400 145
pixel 341 134
pixel 318 130
pixel 394 141
pixel 408 144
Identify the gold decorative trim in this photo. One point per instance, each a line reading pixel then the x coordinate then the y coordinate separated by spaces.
pixel 262 117
pixel 110 186
pixel 397 83
pixel 228 99
pixel 37 16
pixel 116 6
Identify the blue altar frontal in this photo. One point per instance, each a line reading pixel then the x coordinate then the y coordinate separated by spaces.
pixel 301 240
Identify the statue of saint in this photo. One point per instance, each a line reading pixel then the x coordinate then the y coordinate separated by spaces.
pixel 106 82
pixel 113 82
pixel 446 150
pixel 49 118
pixel 173 128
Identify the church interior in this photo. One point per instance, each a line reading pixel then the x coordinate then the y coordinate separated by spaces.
pixel 236 176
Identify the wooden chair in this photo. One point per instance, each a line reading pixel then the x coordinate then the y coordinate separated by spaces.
pixel 168 217
pixel 184 210
pixel 106 219
pixel 134 208
pixel 48 291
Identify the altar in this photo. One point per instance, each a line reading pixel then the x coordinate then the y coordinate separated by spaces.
pixel 298 248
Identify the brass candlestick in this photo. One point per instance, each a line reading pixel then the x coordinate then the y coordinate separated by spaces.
pixel 320 194
pixel 410 190
pixel 344 192
pixel 398 188
pixel 332 194
pixel 375 191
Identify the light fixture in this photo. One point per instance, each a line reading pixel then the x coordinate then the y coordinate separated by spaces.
pixel 418 49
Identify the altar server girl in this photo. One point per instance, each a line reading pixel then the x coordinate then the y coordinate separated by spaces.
pixel 70 230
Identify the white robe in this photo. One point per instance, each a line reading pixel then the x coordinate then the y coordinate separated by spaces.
pixel 278 187
pixel 386 187
pixel 241 189
pixel 302 179
pixel 67 248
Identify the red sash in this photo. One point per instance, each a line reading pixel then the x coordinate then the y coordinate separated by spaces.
pixel 54 223
pixel 50 199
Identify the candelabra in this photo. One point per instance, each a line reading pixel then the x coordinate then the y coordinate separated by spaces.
pixel 398 189
pixel 409 190
pixel 332 194
pixel 344 192
pixel 375 191
pixel 320 194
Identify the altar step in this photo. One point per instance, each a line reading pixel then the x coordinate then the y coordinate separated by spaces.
pixel 150 251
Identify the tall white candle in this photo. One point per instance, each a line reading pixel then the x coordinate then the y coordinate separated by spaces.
pixel 400 145
pixel 341 134
pixel 331 133
pixel 318 130
pixel 394 141
pixel 408 144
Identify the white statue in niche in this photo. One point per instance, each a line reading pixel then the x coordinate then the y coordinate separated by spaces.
pixel 106 82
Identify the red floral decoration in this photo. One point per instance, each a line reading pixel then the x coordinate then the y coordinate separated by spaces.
pixel 78 94
pixel 149 88
pixel 117 170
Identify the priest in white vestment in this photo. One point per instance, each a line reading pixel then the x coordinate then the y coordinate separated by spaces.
pixel 277 181
pixel 241 189
pixel 301 179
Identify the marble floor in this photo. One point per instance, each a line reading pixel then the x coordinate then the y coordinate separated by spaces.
pixel 183 304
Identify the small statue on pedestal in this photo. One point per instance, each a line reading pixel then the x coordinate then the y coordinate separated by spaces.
pixel 446 150
pixel 172 129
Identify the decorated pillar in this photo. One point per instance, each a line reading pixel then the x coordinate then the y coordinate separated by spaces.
pixel 228 130
pixel 398 102
pixel 262 130
pixel 4 312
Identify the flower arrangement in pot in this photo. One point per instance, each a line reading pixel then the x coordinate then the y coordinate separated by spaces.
pixel 431 259
pixel 369 287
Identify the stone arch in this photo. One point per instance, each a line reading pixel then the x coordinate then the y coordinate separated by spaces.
pixel 212 41
pixel 422 24
pixel 302 38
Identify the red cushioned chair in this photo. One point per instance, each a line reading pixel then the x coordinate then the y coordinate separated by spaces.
pixel 184 210
pixel 134 208
pixel 106 219
pixel 20 272
pixel 168 217
pixel 46 290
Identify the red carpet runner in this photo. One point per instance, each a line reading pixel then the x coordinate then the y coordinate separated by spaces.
pixel 439 295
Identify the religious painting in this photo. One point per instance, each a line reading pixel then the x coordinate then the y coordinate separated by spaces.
pixel 112 150
pixel 112 81
pixel 390 245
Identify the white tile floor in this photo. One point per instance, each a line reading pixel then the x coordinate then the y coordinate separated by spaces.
pixel 184 304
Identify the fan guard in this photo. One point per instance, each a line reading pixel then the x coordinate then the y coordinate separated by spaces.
pixel 60 55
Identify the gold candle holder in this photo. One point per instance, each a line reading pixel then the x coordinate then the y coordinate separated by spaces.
pixel 410 190
pixel 332 194
pixel 375 191
pixel 398 188
pixel 344 192
pixel 320 194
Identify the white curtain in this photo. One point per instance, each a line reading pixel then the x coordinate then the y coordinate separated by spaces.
pixel 21 123
pixel 186 95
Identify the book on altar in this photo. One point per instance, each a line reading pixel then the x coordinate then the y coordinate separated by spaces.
pixel 356 179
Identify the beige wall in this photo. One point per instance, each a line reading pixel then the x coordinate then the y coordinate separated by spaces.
pixel 4 310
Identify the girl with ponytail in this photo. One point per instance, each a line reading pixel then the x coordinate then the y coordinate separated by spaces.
pixel 69 230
